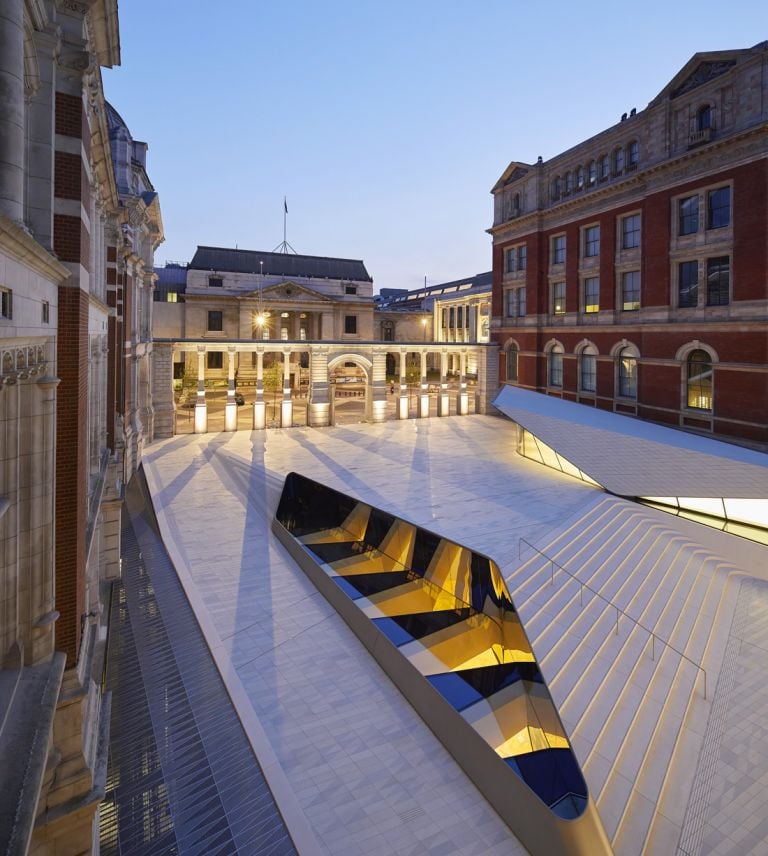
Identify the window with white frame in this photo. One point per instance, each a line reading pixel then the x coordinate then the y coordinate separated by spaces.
pixel 718 281
pixel 512 355
pixel 698 380
pixel 558 250
pixel 719 208
pixel 630 290
pixel 688 284
pixel 555 366
pixel 558 298
pixel 591 241
pixel 591 302
pixel 522 257
pixel 630 232
pixel 688 215
pixel 510 257
pixel 627 373
pixel 588 369
pixel 516 302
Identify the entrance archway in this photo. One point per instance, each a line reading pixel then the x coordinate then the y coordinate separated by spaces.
pixel 349 389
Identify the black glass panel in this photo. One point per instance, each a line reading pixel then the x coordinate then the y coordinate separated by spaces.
pixel 306 506
pixel 483 585
pixel 335 550
pixel 379 523
pixel 422 624
pixel 487 680
pixel 368 584
pixel 424 548
pixel 553 774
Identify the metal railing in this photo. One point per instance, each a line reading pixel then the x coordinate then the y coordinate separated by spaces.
pixel 619 610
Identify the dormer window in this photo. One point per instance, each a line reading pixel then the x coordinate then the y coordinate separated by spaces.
pixel 591 173
pixel 618 161
pixel 580 178
pixel 633 153
pixel 568 182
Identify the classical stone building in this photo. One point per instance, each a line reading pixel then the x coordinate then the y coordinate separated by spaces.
pixel 238 315
pixel 630 272
pixel 78 224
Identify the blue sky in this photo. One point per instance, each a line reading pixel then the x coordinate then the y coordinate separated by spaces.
pixel 385 124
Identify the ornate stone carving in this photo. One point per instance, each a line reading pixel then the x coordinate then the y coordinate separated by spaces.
pixel 705 72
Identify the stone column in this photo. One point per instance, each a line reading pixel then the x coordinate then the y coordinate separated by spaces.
pixel 230 408
pixel 487 378
pixel 424 397
pixel 286 406
pixel 162 390
pixel 463 402
pixel 443 402
pixel 201 408
pixel 259 406
pixel 402 404
pixel 378 387
pixel 319 414
pixel 12 109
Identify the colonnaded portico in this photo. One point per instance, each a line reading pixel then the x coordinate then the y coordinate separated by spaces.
pixel 313 370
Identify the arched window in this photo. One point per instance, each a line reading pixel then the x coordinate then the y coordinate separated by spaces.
pixel 627 373
pixel 698 380
pixel 704 118
pixel 580 178
pixel 591 173
pixel 556 187
pixel 588 369
pixel 618 161
pixel 605 167
pixel 512 354
pixel 555 366
pixel 568 181
pixel 633 153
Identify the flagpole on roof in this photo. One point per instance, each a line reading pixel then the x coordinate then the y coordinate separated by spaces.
pixel 285 246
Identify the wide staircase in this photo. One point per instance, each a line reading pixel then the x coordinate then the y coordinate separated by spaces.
pixel 622 607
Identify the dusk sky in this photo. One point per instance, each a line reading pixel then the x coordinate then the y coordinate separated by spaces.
pixel 385 124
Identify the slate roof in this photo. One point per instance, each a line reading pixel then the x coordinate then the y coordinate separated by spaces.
pixel 278 264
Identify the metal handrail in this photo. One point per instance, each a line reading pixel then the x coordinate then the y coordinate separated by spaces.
pixel 619 610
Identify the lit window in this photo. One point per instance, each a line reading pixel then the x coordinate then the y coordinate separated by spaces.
pixel 592 241
pixel 284 334
pixel 627 374
pixel 688 284
pixel 350 324
pixel 592 294
pixel 512 354
pixel 588 370
pixel 630 232
pixel 522 257
pixel 6 303
pixel 215 321
pixel 719 208
pixel 558 298
pixel 698 380
pixel 558 250
pixel 46 314
pixel 555 367
pixel 688 215
pixel 718 281
pixel 303 334
pixel 510 256
pixel 630 290
pixel 172 297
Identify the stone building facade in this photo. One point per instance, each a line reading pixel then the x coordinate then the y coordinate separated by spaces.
pixel 69 264
pixel 630 272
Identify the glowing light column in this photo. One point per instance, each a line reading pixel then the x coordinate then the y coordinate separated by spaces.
pixel 463 403
pixel 201 409
pixel 230 409
pixel 443 402
pixel 402 404
pixel 286 406
pixel 424 397
pixel 259 406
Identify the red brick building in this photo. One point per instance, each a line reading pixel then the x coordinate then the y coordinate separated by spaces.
pixel 631 271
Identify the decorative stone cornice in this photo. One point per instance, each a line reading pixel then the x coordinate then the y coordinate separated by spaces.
pixel 24 248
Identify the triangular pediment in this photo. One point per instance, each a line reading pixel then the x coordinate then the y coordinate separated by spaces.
pixel 288 292
pixel 515 171
pixel 703 67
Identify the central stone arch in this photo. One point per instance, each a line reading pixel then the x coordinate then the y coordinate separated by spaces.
pixel 350 378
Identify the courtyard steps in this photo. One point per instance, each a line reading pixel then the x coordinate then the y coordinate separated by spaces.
pixel 623 698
